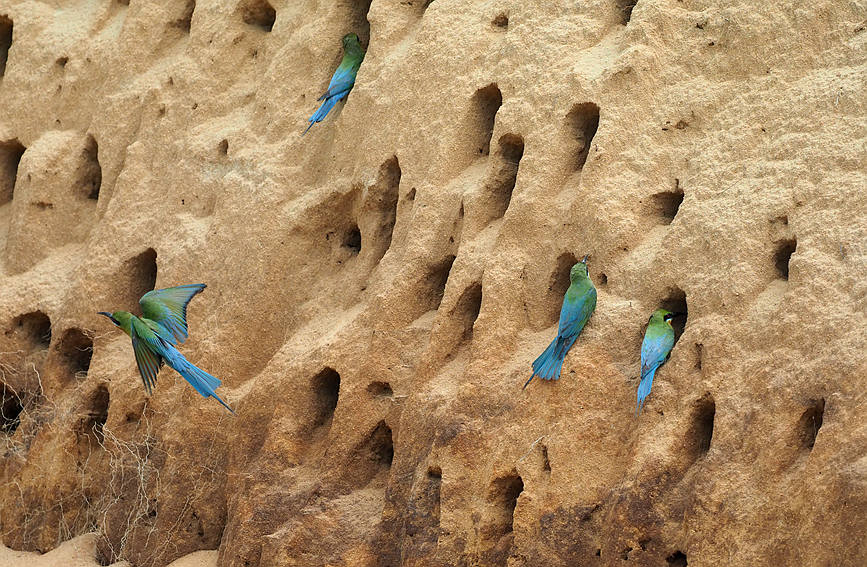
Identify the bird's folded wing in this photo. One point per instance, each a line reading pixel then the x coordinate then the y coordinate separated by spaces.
pixel 574 314
pixel 654 349
pixel 341 82
pixel 149 362
pixel 168 308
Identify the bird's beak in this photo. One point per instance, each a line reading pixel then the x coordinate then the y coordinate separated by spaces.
pixel 584 259
pixel 106 313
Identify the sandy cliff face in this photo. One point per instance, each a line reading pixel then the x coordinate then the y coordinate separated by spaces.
pixel 378 288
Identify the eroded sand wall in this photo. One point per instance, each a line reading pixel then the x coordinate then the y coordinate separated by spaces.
pixel 378 288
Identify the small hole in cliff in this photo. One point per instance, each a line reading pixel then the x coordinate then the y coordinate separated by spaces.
pixel 185 19
pixel 326 386
pixel 676 559
pixel 504 496
pixel 666 204
pixel 384 195
pixel 76 349
pixel 505 175
pixel 437 278
pixel 10 409
pixel 62 61
pixel 485 104
pixel 10 156
pixel 546 463
pixel 434 472
pixel 699 352
pixel 676 303
pixel 601 279
pixel 142 273
pixel 701 431
pixel 583 121
pixel 357 20
pixel 467 308
pixel 810 422
pixel 501 21
pixel 783 255
pixel 97 414
pixel 258 13
pixel 382 445
pixel 36 327
pixel 380 389
pixel 559 283
pixel 626 7
pixel 411 195
pixel 223 147
pixel 420 6
pixel 624 555
pixel 352 239
pixel 90 172
pixel 5 41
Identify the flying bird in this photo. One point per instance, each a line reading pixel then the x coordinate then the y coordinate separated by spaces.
pixel 655 350
pixel 342 80
pixel 578 304
pixel 156 334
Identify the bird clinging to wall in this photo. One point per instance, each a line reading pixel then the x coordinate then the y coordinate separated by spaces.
pixel 578 304
pixel 342 80
pixel 655 350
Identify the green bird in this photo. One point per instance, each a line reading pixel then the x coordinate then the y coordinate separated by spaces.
pixel 343 79
pixel 155 335
pixel 578 305
pixel 655 350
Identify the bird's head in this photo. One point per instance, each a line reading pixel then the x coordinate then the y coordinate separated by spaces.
pixel 120 319
pixel 579 271
pixel 663 315
pixel 351 40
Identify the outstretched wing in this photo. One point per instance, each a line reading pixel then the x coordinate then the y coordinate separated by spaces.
pixel 148 361
pixel 168 308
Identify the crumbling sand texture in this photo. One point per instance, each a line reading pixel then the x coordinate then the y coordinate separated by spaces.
pixel 378 288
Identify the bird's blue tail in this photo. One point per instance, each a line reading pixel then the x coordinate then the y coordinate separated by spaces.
pixel 204 383
pixel 323 110
pixel 644 389
pixel 549 363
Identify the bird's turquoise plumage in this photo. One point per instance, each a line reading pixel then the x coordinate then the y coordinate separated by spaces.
pixel 343 79
pixel 578 305
pixel 655 349
pixel 156 334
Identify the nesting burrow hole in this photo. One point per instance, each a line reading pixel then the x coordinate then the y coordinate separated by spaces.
pixel 223 147
pixel 502 501
pixel 259 14
pixel 141 271
pixel 664 205
pixel 352 239
pixel 435 281
pixel 783 255
pixel 90 172
pixel 582 121
pixel 701 427
pixel 626 7
pixel 357 21
pixel 676 559
pixel 558 283
pixel 184 20
pixel 501 21
pixel 97 414
pixel 10 156
pixel 10 409
pixel 467 308
pixel 484 106
pixel 5 41
pixel 326 390
pixel 36 328
pixel 811 422
pixel 381 208
pixel 372 457
pixel 505 173
pixel 75 349
pixel 675 302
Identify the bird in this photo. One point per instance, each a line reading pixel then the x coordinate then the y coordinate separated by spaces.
pixel 655 350
pixel 342 80
pixel 578 305
pixel 156 334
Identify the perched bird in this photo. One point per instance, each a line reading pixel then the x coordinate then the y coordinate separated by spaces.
pixel 156 334
pixel 655 350
pixel 342 80
pixel 578 304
